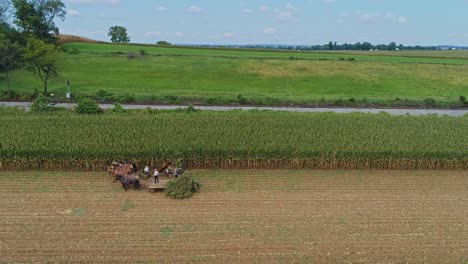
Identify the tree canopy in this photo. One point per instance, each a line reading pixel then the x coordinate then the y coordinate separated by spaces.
pixel 36 18
pixel 118 34
pixel 10 56
pixel 163 43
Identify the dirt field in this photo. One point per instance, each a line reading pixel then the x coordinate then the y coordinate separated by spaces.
pixel 240 216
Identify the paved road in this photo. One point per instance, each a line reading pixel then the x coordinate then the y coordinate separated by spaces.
pixel 25 105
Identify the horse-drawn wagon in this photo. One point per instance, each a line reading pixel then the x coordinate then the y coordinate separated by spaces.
pixel 127 175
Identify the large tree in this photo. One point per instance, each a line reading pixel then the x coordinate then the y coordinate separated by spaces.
pixel 36 17
pixel 9 56
pixel 42 59
pixel 118 34
pixel 392 46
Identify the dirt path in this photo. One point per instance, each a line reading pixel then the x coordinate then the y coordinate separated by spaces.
pixel 395 111
pixel 240 216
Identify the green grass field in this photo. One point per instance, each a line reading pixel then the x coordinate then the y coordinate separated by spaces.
pixel 232 139
pixel 210 76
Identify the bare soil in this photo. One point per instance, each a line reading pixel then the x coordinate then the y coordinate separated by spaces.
pixel 256 216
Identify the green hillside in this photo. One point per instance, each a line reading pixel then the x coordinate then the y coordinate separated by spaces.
pixel 219 76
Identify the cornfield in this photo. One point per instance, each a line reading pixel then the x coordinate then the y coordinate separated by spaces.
pixel 237 139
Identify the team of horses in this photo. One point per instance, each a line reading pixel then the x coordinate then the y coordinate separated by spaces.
pixel 125 174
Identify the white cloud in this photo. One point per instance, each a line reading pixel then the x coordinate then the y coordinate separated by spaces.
pixel 107 2
pixel 82 1
pixel 269 30
pixel 247 11
pixel 264 8
pixel 290 7
pixel 161 9
pixel 153 33
pixel 73 13
pixel 402 20
pixel 111 2
pixel 228 35
pixel 86 33
pixel 329 1
pixel 378 18
pixel 158 33
pixel 369 18
pixel 284 16
pixel 225 35
pixel 194 9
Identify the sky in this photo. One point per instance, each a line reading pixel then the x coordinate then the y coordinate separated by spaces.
pixel 295 22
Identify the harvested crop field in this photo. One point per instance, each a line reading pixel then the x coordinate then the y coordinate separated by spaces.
pixel 262 216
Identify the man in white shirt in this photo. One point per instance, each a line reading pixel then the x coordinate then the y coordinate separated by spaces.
pixel 156 176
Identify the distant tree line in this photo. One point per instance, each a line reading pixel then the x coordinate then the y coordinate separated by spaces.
pixel 368 46
pixel 363 46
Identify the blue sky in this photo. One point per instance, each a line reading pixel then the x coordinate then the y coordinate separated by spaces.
pixel 410 22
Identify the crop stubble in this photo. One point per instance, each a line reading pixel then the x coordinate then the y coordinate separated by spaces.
pixel 269 216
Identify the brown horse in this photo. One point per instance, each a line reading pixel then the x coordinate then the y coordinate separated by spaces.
pixel 120 169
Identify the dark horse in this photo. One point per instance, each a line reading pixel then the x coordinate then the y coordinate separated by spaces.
pixel 129 180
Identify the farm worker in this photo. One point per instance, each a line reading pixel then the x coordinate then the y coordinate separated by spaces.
pixel 146 171
pixel 156 176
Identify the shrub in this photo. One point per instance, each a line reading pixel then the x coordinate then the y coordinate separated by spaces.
pixel 351 59
pixel 87 106
pixel 211 101
pixel 172 99
pixel 103 95
pixel 242 100
pixel 339 102
pixel 429 102
pixel 41 104
pixel 463 99
pixel 9 94
pixel 28 96
pixel 74 51
pixel 190 109
pixel 124 98
pixel 183 187
pixel 118 109
pixel 163 43
pixel 143 52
